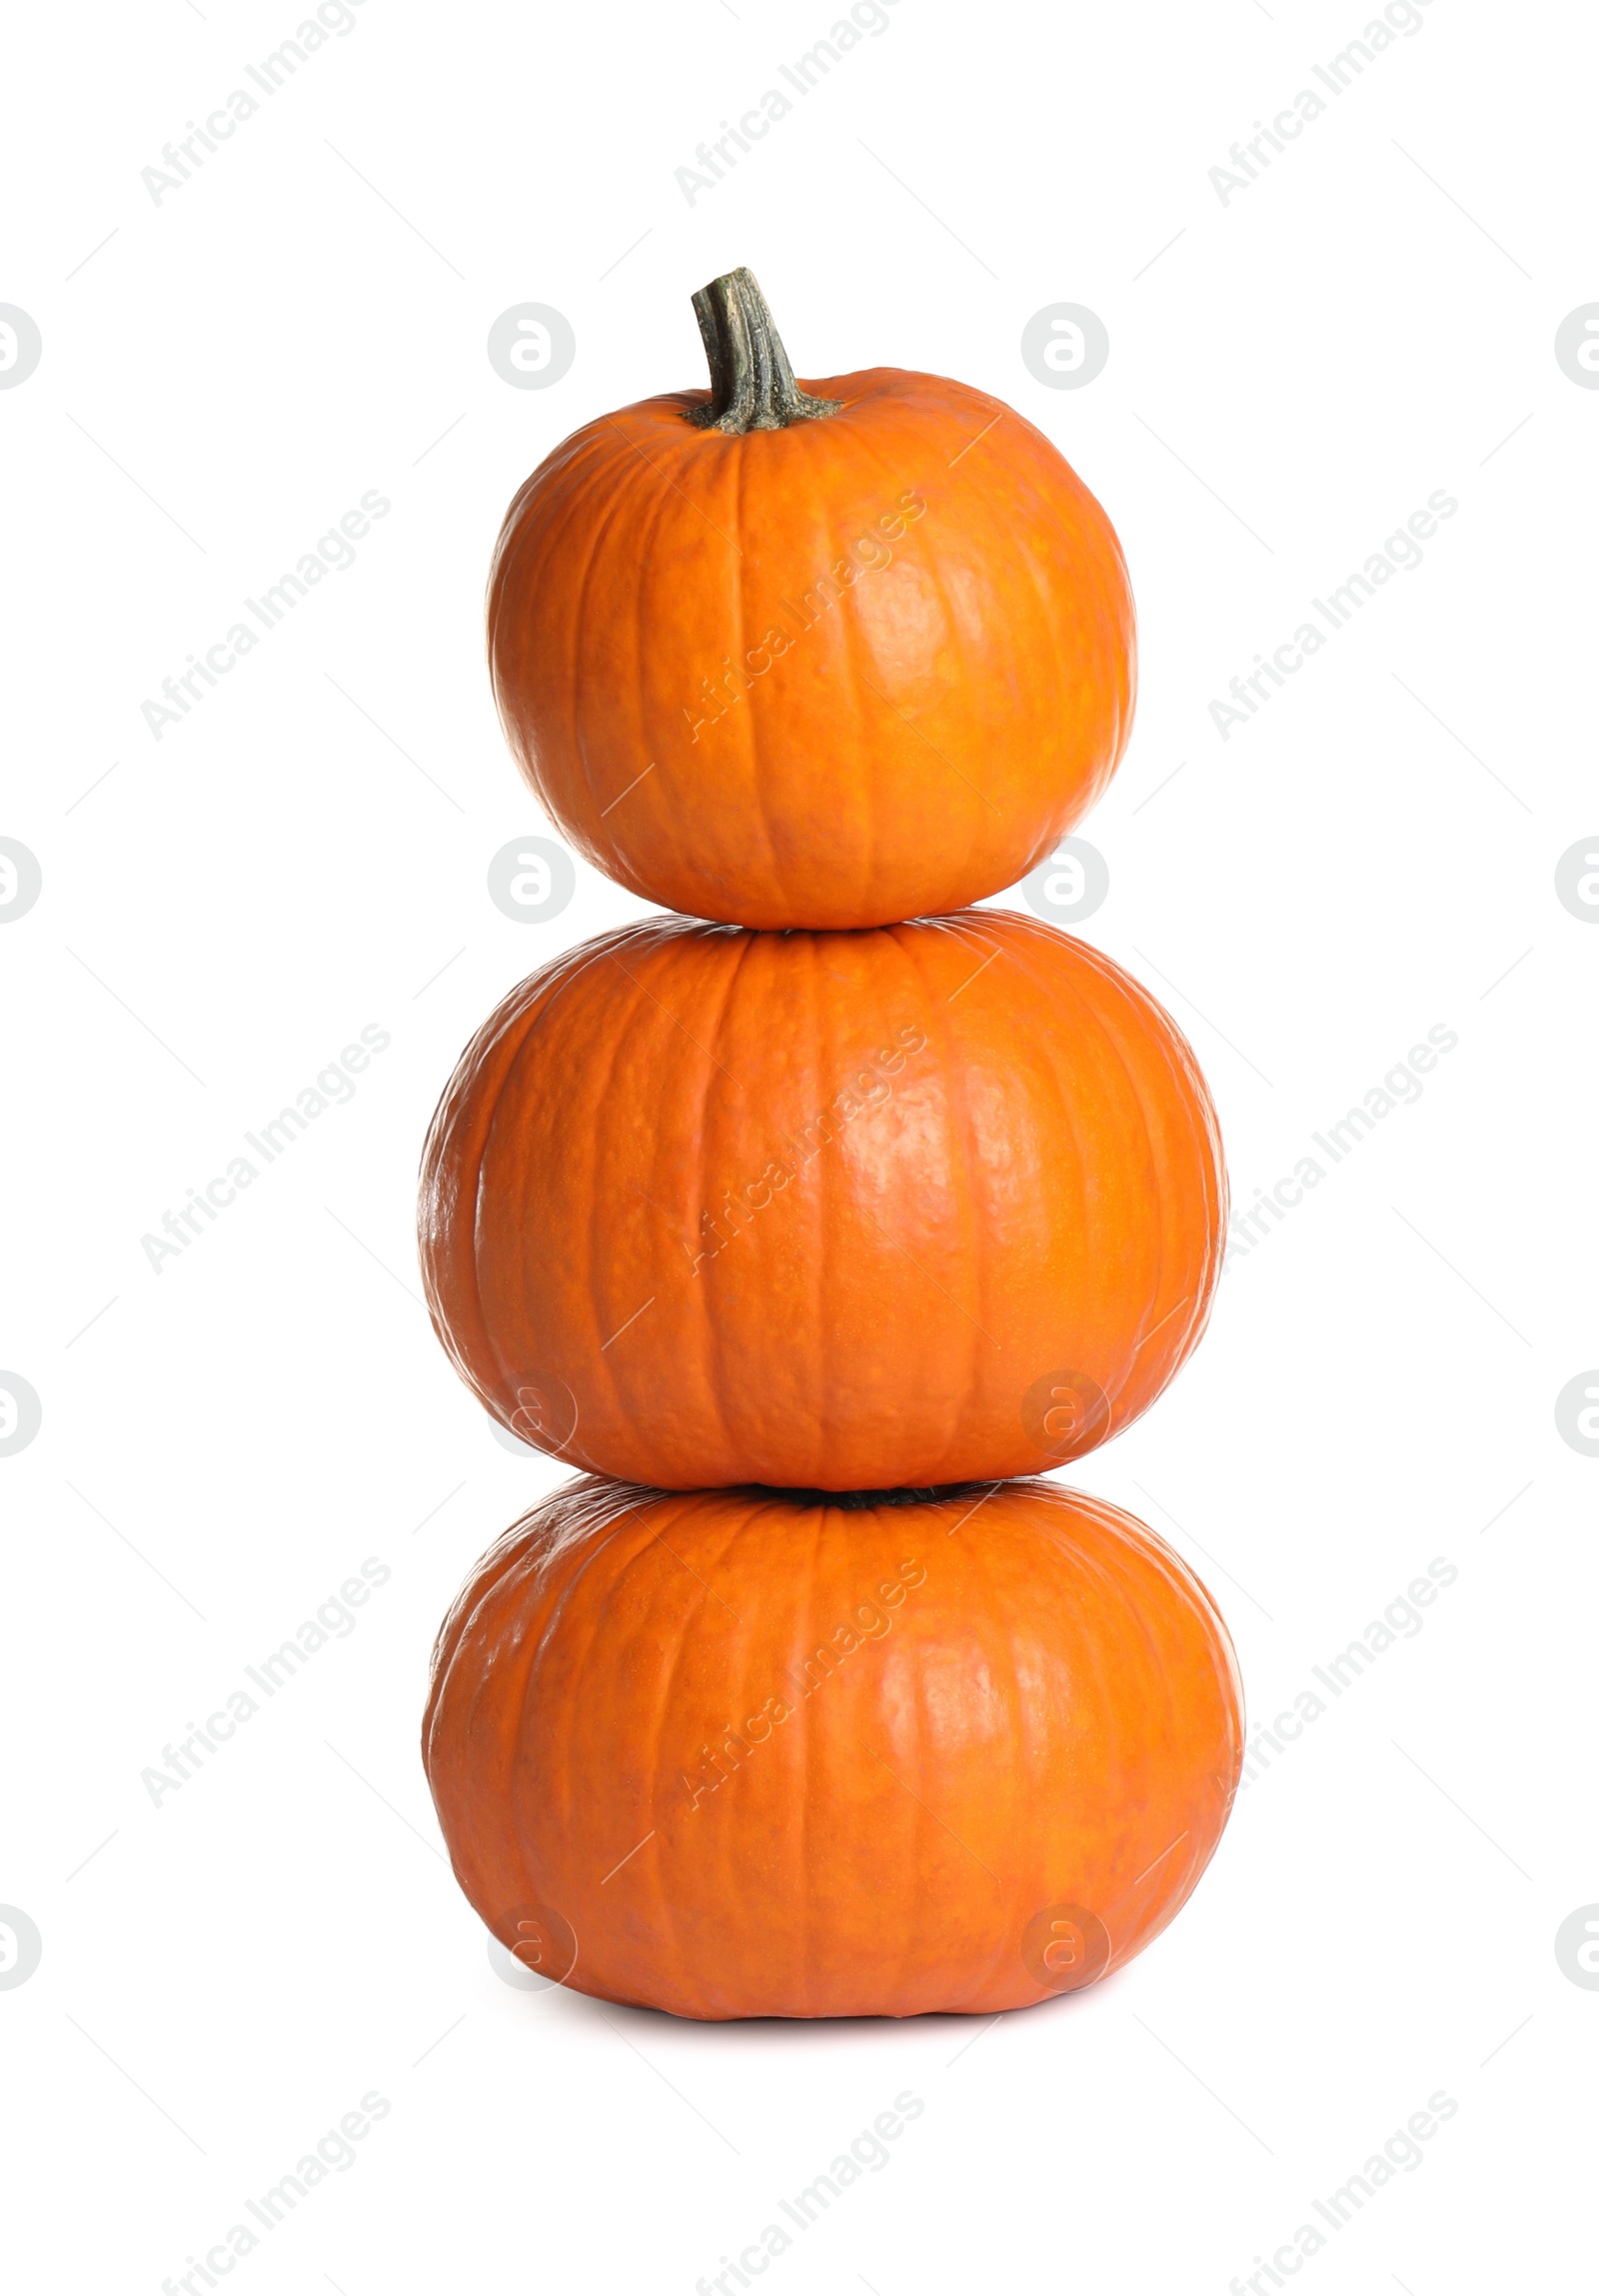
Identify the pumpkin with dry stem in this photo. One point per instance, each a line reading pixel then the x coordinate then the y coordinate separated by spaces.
pixel 828 656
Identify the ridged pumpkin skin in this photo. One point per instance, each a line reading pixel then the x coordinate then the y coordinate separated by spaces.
pixel 859 669
pixel 936 1203
pixel 741 1755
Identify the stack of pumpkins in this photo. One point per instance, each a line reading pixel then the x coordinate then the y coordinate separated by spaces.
pixel 804 1231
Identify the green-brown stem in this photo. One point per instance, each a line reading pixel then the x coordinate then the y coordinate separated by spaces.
pixel 752 383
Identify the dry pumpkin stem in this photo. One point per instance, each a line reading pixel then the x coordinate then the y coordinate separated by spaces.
pixel 752 383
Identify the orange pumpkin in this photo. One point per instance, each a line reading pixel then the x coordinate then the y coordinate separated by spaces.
pixel 751 1754
pixel 843 1210
pixel 831 656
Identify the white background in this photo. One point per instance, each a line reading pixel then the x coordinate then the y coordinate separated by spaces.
pixel 1291 374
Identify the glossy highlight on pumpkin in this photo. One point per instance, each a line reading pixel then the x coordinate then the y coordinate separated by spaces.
pixel 868 663
pixel 938 1201
pixel 746 1753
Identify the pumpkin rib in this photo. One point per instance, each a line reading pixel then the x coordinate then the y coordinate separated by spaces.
pixel 744 1534
pixel 662 536
pixel 987 1602
pixel 1111 1039
pixel 744 794
pixel 564 1591
pixel 489 1689
pixel 603 475
pixel 969 935
pixel 964 639
pixel 534 1016
pixel 464 1252
pixel 1210 1269
pixel 864 1212
pixel 1158 1670
pixel 812 650
pixel 1073 1132
pixel 1096 1272
pixel 600 1213
pixel 1199 1116
pixel 965 1167
pixel 852 649
pixel 748 730
pixel 808 1796
pixel 606 478
pixel 598 474
pixel 1031 565
pixel 912 1810
pixel 1090 516
pixel 613 1529
pixel 635 685
pixel 1116 987
pixel 1049 1072
pixel 701 1133
pixel 837 1229
pixel 1093 1572
pixel 960 822
pixel 902 1967
pixel 717 1337
pixel 539 1605
pixel 1067 703
pixel 482 1213
pixel 1092 1568
pixel 665 1905
pixel 1022 1718
pixel 953 826
pixel 831 1230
